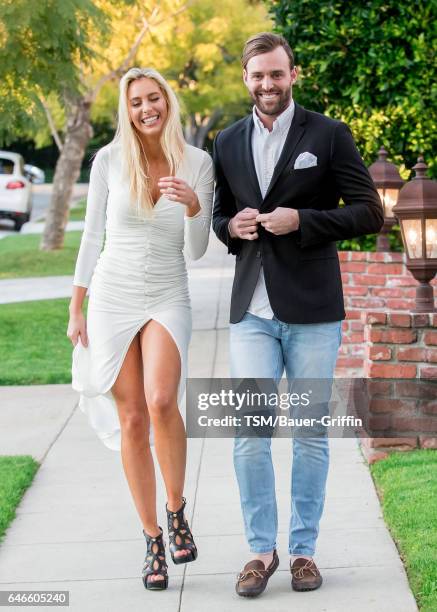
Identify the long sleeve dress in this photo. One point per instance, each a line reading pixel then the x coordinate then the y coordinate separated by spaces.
pixel 139 275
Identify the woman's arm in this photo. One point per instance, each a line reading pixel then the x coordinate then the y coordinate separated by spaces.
pixel 77 325
pixel 197 227
pixel 198 205
pixel 91 244
pixel 95 218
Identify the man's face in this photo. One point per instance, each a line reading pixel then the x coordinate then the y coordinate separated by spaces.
pixel 269 78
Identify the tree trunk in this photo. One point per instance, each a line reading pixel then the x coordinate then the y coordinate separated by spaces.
pixel 190 128
pixel 197 128
pixel 78 134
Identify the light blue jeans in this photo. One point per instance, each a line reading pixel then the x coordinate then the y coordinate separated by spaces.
pixel 261 348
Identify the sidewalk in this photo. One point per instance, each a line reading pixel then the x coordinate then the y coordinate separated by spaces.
pixel 76 528
pixel 38 227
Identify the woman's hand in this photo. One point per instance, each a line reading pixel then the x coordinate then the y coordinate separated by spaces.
pixel 177 190
pixel 77 328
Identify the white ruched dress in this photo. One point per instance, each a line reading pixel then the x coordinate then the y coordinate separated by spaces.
pixel 139 275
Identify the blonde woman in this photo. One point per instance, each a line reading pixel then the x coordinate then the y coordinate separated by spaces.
pixel 150 194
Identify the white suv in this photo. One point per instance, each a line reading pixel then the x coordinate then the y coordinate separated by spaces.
pixel 16 188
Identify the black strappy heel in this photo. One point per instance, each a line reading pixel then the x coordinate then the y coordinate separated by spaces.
pixel 180 536
pixel 155 563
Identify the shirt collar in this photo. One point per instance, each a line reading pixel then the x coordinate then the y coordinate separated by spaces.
pixel 281 123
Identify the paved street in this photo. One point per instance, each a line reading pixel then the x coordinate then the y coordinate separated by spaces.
pixel 76 528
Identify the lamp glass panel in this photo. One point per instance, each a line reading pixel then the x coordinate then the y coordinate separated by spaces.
pixel 413 237
pixel 381 193
pixel 390 199
pixel 431 238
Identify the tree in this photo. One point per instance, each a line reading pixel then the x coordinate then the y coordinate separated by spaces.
pixel 199 53
pixel 371 64
pixel 107 64
pixel 45 69
pixel 40 49
pixel 203 62
pixel 194 43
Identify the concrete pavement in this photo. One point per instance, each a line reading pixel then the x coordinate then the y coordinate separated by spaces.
pixel 76 527
pixel 38 228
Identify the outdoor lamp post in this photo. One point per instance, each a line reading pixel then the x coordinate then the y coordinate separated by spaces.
pixel 388 182
pixel 417 213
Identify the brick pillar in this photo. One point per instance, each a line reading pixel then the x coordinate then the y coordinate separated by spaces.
pixel 371 281
pixel 400 351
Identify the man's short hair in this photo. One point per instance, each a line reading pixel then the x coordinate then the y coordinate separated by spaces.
pixel 264 42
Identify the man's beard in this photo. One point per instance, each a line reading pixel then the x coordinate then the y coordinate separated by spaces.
pixel 282 101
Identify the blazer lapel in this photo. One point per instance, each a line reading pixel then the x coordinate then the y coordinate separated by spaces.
pixel 295 133
pixel 248 158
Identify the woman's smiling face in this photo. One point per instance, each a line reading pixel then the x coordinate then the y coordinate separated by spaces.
pixel 147 106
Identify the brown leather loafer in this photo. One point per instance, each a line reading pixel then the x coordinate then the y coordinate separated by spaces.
pixel 305 575
pixel 252 581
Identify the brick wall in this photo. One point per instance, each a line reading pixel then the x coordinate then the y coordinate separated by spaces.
pixel 402 414
pixel 371 281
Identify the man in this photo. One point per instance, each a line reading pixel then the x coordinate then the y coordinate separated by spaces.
pixel 280 174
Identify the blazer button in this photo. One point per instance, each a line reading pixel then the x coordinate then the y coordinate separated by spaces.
pixel 258 253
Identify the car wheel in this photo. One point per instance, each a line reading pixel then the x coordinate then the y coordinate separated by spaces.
pixel 20 222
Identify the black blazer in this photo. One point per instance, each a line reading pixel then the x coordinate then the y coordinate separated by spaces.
pixel 301 269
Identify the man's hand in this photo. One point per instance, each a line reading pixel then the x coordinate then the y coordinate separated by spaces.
pixel 244 225
pixel 281 221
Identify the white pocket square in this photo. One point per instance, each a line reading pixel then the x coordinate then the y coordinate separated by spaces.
pixel 305 160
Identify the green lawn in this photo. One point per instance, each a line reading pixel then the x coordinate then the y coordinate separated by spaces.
pixel 16 474
pixel 407 485
pixel 33 336
pixel 20 256
pixel 77 213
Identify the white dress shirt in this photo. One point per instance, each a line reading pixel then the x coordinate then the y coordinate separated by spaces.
pixel 266 150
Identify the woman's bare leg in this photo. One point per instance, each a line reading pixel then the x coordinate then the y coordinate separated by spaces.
pixel 162 370
pixel 128 392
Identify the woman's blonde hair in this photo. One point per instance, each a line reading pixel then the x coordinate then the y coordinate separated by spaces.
pixel 135 162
